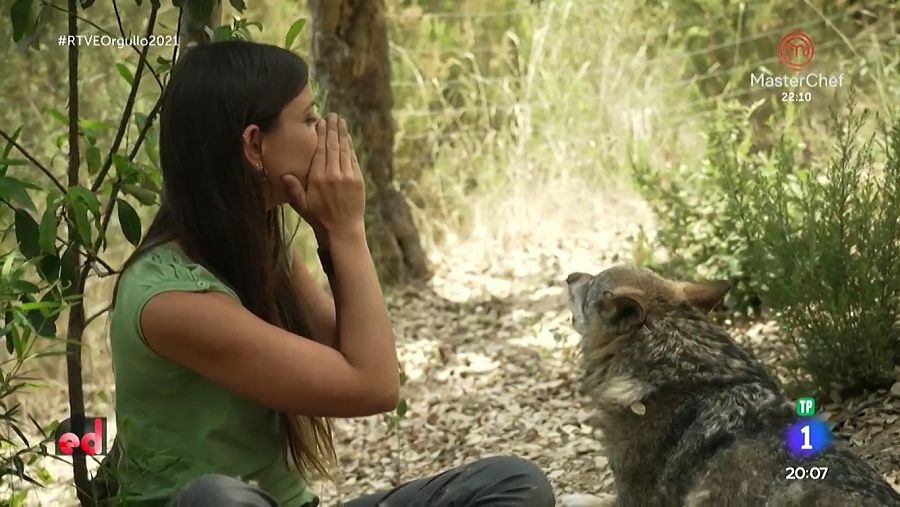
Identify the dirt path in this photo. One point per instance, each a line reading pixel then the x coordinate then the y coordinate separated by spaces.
pixel 492 367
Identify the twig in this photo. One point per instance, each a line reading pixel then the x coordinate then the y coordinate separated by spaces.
pixel 90 319
pixel 33 161
pixel 129 104
pixel 107 213
pixel 831 25
pixel 92 256
pixel 118 17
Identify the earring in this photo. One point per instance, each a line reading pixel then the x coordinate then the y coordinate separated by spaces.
pixel 265 173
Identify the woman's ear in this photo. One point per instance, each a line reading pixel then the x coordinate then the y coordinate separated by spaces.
pixel 251 146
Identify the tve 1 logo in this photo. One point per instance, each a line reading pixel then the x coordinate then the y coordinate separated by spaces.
pixel 90 440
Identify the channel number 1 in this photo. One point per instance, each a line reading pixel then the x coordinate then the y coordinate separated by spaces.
pixel 802 472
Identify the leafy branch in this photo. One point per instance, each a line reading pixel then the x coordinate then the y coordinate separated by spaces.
pixel 129 104
pixel 12 141
pixel 135 48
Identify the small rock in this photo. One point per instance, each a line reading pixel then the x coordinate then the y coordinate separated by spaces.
pixel 638 408
pixel 895 390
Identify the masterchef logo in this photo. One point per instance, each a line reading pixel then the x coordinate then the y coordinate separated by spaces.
pixel 796 49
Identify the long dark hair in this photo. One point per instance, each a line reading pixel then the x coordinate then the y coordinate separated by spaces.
pixel 213 206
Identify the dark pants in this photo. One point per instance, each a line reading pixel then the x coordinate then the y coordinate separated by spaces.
pixel 496 481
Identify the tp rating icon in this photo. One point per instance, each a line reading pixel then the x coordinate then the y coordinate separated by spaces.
pixel 806 407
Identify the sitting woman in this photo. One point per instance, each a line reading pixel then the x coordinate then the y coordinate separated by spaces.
pixel 229 361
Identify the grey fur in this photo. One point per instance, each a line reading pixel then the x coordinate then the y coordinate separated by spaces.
pixel 688 416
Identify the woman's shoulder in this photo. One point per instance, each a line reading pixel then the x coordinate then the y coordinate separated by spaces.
pixel 165 267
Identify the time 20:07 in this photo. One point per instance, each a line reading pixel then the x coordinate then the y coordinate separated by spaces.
pixel 804 473
pixel 796 96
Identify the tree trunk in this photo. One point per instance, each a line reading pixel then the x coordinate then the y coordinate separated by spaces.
pixel 351 65
pixel 192 31
pixel 76 311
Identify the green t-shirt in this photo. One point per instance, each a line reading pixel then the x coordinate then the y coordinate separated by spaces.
pixel 173 424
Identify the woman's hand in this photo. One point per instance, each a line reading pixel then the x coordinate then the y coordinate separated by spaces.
pixel 333 200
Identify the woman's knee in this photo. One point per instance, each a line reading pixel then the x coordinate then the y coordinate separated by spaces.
pixel 519 473
pixel 221 490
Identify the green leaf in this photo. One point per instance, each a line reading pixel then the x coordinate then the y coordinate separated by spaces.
pixel 22 342
pixel 59 116
pixel 44 324
pixel 48 267
pixel 238 5
pixel 82 224
pixel 48 229
pixel 147 181
pixel 22 18
pixel 6 150
pixel 401 408
pixel 11 340
pixel 93 160
pixel 14 161
pixel 293 32
pixel 24 286
pixel 144 196
pixel 16 191
pixel 9 144
pixel 95 125
pixel 151 149
pixel 8 265
pixel 129 221
pixel 125 72
pixel 86 3
pixel 125 169
pixel 27 234
pixel 140 119
pixel 42 473
pixel 221 33
pixel 85 196
pixel 68 272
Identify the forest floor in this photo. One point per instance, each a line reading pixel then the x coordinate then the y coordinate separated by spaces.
pixel 493 364
pixel 493 368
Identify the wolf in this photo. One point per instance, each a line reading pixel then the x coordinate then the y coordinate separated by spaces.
pixel 688 417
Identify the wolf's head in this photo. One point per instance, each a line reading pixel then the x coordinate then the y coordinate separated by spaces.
pixel 617 302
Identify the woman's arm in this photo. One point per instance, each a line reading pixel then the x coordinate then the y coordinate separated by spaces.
pixel 317 306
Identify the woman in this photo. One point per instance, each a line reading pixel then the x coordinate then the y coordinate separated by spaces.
pixel 229 361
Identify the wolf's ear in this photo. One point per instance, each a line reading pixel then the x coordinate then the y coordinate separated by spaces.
pixel 705 295
pixel 622 314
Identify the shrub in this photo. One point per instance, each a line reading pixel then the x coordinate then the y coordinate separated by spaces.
pixel 698 223
pixel 817 245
